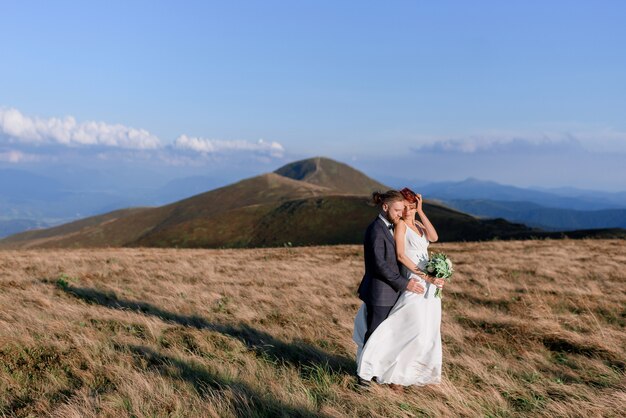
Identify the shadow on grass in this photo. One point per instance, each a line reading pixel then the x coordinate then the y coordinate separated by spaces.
pixel 246 401
pixel 297 353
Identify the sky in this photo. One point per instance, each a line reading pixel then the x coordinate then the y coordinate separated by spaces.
pixel 529 93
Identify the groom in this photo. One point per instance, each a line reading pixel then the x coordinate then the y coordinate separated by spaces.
pixel 382 283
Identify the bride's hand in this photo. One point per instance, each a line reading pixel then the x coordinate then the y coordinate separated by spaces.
pixel 438 282
pixel 419 202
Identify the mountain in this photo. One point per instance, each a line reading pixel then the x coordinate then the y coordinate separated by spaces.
pixel 542 217
pixel 69 194
pixel 305 206
pixel 473 189
pixel 332 174
pixel 233 208
pixel 562 209
pixel 342 220
pixel 89 232
pixel 617 199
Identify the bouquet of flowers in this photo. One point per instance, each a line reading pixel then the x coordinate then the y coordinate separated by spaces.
pixel 439 266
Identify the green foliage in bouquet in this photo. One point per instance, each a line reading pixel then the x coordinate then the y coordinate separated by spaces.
pixel 439 266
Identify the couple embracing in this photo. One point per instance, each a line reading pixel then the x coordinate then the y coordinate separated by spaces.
pixel 397 328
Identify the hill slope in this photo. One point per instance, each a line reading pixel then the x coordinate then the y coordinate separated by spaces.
pixel 147 225
pixel 225 217
pixel 88 232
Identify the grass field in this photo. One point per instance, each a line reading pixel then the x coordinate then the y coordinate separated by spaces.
pixel 530 328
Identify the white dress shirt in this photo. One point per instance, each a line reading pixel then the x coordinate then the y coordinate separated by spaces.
pixel 387 223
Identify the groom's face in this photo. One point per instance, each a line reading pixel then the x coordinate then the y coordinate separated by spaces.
pixel 393 211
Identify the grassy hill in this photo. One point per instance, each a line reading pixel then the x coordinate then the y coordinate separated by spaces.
pixel 85 232
pixel 530 328
pixel 228 205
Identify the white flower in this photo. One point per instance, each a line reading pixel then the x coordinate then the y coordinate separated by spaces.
pixel 430 268
pixel 449 263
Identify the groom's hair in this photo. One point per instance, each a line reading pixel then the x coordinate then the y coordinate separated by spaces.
pixel 389 196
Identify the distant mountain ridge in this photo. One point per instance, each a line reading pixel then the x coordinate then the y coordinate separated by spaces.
pixel 43 200
pixel 14 226
pixel 473 189
pixel 564 209
pixel 314 202
pixel 615 198
pixel 32 199
pixel 539 216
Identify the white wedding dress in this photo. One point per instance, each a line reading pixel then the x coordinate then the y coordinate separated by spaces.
pixel 405 349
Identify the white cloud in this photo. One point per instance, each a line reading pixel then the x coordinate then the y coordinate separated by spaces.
pixel 15 156
pixel 499 145
pixel 213 146
pixel 67 138
pixel 526 142
pixel 66 131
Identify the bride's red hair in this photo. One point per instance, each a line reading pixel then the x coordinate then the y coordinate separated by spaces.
pixel 409 195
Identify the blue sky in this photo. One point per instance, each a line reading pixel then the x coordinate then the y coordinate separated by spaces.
pixel 525 93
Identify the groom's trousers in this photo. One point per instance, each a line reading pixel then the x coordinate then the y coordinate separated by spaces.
pixel 375 316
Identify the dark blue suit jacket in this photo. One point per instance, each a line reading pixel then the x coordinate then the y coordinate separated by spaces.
pixel 382 282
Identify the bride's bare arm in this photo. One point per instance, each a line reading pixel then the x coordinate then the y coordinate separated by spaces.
pixel 399 234
pixel 431 233
pixel 413 285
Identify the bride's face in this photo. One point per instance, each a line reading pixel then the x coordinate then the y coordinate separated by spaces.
pixel 409 210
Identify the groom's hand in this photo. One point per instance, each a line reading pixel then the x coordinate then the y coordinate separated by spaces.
pixel 415 287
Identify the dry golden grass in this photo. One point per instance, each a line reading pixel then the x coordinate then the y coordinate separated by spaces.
pixel 532 328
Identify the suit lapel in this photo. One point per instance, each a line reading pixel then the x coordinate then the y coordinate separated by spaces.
pixel 388 233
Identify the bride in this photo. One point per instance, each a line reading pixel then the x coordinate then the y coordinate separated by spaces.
pixel 406 348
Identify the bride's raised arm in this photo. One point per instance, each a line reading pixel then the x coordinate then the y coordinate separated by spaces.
pixel 431 234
